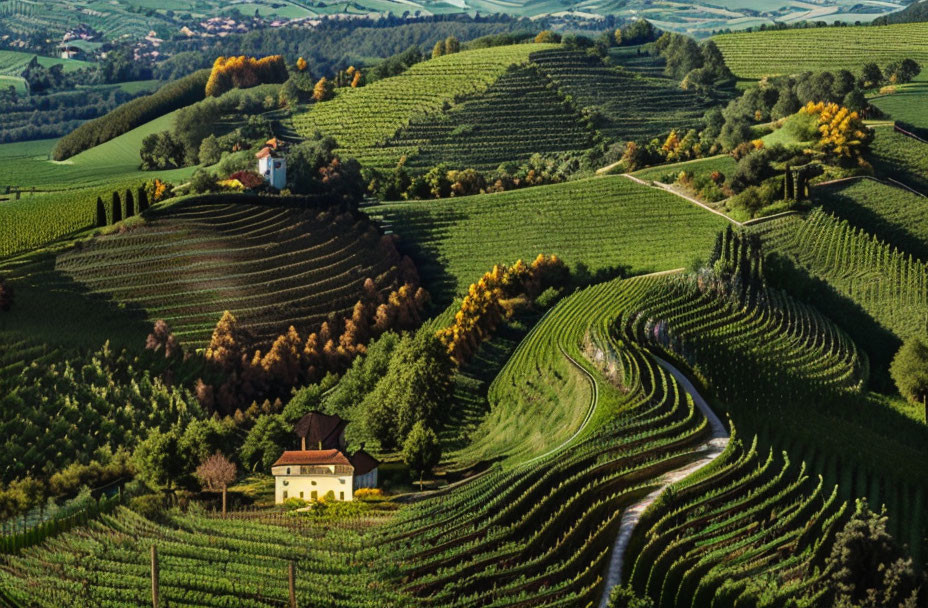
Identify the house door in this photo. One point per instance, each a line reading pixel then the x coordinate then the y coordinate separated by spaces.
pixel 314 495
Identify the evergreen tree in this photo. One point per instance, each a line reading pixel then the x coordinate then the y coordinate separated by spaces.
pixel 143 199
pixel 438 50
pixel 116 208
pixel 130 204
pixel 909 370
pixel 421 451
pixel 101 213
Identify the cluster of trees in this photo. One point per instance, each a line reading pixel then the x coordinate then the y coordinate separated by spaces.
pixel 697 66
pixel 193 139
pixel 244 72
pixel 495 297
pixel 251 375
pixel 26 117
pixel 841 132
pixel 441 181
pixel 121 209
pixel 447 46
pixel 395 391
pixel 909 370
pixel 128 116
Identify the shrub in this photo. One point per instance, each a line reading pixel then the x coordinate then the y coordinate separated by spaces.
pixel 293 503
pixel 150 506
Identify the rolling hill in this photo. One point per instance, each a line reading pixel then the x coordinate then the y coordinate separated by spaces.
pixel 771 53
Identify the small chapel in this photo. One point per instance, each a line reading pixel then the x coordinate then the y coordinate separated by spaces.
pixel 322 464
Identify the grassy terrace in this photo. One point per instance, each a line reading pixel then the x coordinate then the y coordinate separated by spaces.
pixel 606 223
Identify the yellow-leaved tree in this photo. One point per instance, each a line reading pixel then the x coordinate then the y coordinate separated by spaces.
pixel 841 131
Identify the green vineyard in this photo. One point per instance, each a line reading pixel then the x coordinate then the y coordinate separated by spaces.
pixel 271 266
pixel 519 115
pixel 606 223
pixel 758 54
pixel 361 119
pixel 901 158
pixel 625 105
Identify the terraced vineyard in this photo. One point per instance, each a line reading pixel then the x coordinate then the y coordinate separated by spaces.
pixel 891 286
pixel 271 266
pixel 606 223
pixel 537 529
pixel 783 371
pixel 892 214
pixel 519 115
pixel 770 53
pixel 362 119
pixel 629 106
pixel 900 157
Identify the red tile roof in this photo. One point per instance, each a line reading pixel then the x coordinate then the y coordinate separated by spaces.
pixel 363 462
pixel 321 431
pixel 311 457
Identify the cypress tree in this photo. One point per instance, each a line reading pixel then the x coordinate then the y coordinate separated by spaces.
pixel 117 208
pixel 143 199
pixel 101 213
pixel 130 204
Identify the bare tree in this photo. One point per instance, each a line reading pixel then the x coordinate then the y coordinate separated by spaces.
pixel 215 474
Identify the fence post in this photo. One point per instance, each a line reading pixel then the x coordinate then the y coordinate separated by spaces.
pixel 154 576
pixel 292 571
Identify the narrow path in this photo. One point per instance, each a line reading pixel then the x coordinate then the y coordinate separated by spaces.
pixel 594 400
pixel 709 451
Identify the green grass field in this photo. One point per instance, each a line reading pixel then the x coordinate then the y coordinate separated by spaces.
pixel 605 223
pixel 758 54
pixel 724 164
pixel 899 157
pixel 908 104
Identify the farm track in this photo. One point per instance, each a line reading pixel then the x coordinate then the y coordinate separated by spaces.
pixel 631 516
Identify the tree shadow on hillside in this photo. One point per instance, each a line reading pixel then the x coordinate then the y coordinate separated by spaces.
pixel 876 341
pixel 420 232
pixel 848 208
pixel 54 309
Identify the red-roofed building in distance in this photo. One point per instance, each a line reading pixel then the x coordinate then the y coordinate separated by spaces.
pixel 310 474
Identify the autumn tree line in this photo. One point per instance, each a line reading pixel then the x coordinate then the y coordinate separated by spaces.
pixel 495 298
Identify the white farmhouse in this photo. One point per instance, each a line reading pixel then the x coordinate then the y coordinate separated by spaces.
pixel 311 474
pixel 273 167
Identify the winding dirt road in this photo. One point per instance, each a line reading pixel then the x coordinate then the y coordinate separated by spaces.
pixel 709 451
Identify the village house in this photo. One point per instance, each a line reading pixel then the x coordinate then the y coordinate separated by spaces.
pixel 324 467
pixel 272 165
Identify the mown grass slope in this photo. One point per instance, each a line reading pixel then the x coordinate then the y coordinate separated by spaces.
pixel 606 224
pixel 774 52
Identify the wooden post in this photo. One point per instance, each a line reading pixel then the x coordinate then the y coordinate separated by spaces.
pixel 154 576
pixel 292 572
pixel 223 501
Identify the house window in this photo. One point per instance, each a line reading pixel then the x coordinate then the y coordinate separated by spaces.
pixel 301 495
pixel 288 470
pixel 285 495
pixel 313 482
pixel 341 496
pixel 314 495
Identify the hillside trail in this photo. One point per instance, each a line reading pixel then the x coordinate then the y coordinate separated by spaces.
pixel 709 451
